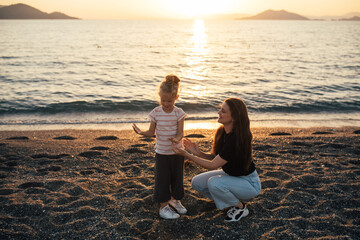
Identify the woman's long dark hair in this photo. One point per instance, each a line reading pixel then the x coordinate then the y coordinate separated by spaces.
pixel 241 128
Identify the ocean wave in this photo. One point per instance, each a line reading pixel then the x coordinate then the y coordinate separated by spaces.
pixel 108 106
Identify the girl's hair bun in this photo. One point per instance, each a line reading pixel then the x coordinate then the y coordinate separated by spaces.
pixel 170 85
pixel 171 79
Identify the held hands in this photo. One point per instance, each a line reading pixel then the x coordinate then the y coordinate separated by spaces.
pixel 174 140
pixel 189 146
pixel 179 151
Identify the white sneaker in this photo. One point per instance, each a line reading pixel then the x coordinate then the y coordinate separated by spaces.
pixel 178 206
pixel 168 213
pixel 235 214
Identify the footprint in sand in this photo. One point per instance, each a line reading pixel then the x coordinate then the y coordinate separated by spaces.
pixel 11 164
pixel 49 156
pixel 87 172
pixel 6 191
pixel 100 148
pixel 280 134
pixel 135 150
pixel 138 145
pixel 18 138
pixel 64 138
pixel 107 138
pixel 147 139
pixel 31 185
pixel 302 144
pixel 321 133
pixel 195 136
pixel 262 147
pixel 90 154
pixel 36 191
pixel 49 169
pixel 334 145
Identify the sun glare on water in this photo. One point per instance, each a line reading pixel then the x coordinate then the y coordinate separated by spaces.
pixel 196 8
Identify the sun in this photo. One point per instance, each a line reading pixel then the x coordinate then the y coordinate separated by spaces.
pixel 195 8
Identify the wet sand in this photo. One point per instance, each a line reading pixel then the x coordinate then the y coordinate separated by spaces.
pixel 98 184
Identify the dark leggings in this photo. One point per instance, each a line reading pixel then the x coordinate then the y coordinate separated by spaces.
pixel 168 177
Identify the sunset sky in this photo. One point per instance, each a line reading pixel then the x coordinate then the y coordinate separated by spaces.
pixel 133 9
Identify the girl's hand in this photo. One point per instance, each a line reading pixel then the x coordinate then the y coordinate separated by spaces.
pixel 174 140
pixel 179 151
pixel 191 146
pixel 136 129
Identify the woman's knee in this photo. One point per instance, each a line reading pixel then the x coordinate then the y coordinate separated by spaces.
pixel 196 182
pixel 215 183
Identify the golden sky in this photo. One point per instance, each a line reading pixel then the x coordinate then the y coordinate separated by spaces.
pixel 134 9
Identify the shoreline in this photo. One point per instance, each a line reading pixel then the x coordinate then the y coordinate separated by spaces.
pixel 199 121
pixel 73 183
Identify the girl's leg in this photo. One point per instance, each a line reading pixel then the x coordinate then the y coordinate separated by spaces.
pixel 200 182
pixel 227 191
pixel 177 177
pixel 162 180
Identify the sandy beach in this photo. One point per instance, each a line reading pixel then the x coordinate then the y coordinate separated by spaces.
pixel 98 184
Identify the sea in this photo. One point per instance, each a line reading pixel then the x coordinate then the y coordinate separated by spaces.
pixel 104 74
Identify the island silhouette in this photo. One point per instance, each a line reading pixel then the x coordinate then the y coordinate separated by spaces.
pixel 23 11
pixel 275 15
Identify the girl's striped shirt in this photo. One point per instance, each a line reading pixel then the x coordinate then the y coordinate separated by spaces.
pixel 166 127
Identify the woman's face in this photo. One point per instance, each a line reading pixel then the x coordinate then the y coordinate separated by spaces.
pixel 225 114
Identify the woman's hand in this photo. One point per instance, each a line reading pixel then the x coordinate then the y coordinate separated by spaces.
pixel 191 146
pixel 136 129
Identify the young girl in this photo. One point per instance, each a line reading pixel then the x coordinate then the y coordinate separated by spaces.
pixel 168 121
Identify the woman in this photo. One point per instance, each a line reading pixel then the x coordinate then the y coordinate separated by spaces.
pixel 238 180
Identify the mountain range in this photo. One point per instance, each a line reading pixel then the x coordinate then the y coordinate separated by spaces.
pixel 23 11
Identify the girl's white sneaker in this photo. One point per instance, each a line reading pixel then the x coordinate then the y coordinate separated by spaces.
pixel 178 206
pixel 168 213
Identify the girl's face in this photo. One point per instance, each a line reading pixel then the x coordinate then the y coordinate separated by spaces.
pixel 225 114
pixel 168 102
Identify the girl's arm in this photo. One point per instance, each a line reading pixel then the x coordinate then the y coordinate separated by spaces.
pixel 180 132
pixel 213 164
pixel 148 133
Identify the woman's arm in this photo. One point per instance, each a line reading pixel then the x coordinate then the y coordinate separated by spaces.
pixel 215 163
pixel 148 133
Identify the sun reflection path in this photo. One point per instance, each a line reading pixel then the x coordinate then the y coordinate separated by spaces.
pixel 197 69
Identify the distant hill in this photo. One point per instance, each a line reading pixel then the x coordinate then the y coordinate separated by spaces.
pixel 355 18
pixel 23 11
pixel 275 15
pixel 335 18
